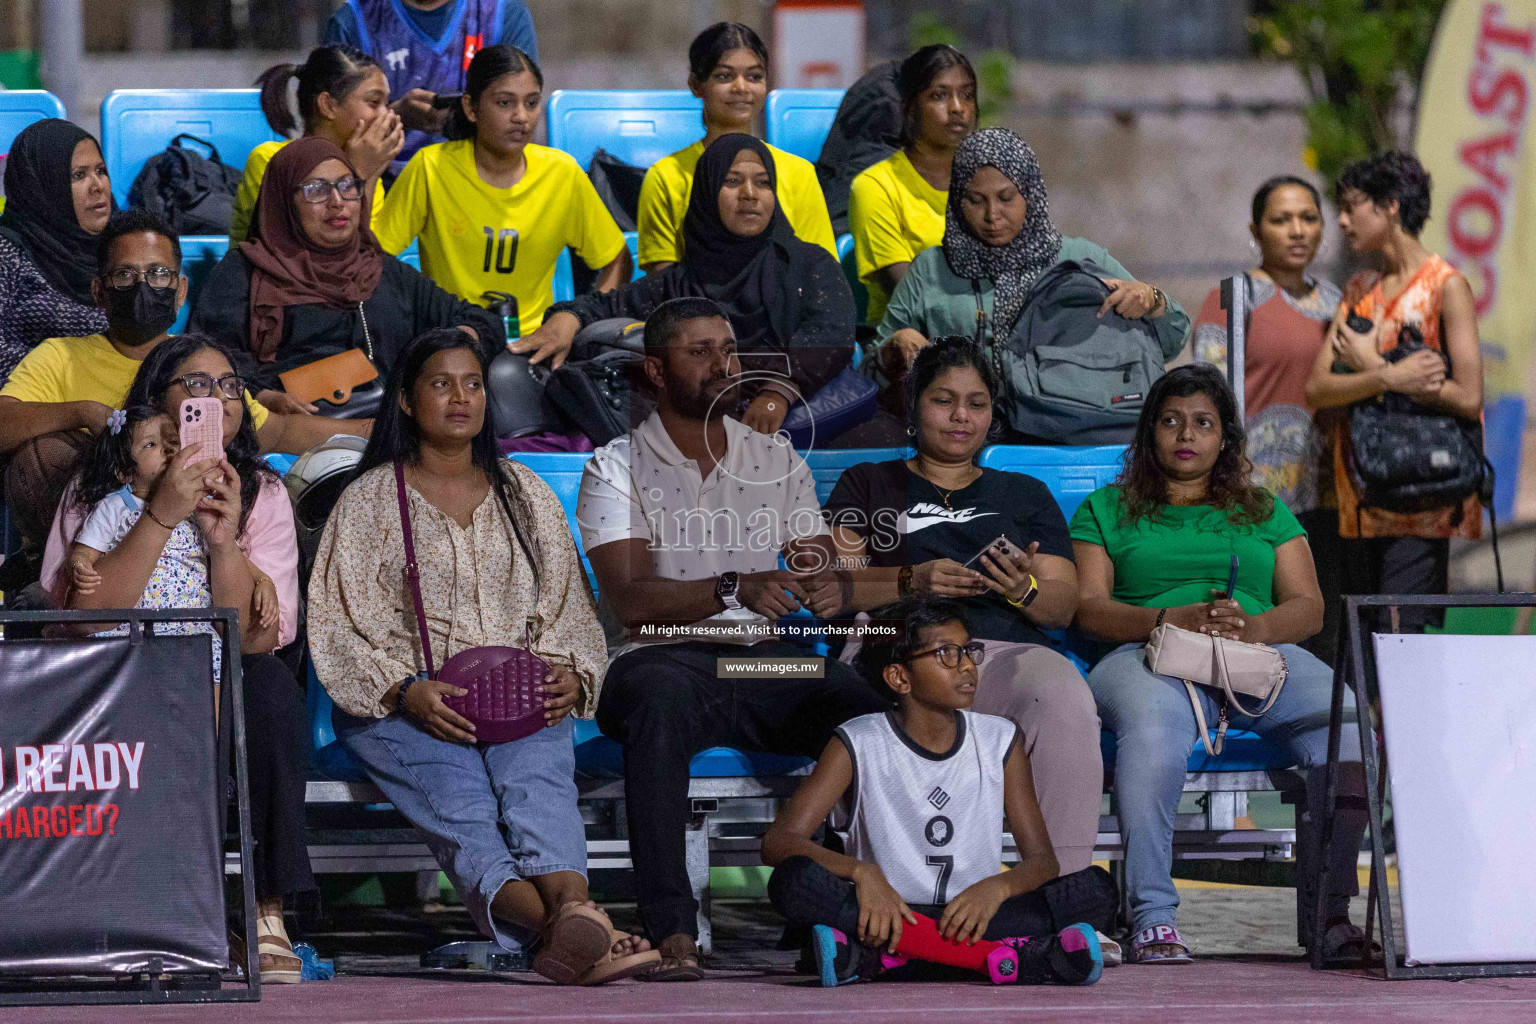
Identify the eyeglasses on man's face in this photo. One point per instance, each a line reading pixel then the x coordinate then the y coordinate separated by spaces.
pixel 128 277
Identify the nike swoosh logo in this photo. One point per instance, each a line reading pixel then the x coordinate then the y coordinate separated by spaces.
pixel 911 524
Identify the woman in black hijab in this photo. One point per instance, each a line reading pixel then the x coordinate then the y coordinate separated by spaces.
pixel 788 300
pixel 58 199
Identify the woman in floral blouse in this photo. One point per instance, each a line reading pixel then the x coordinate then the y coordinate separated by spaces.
pixel 497 564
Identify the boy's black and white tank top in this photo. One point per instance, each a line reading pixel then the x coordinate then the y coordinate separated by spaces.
pixel 933 823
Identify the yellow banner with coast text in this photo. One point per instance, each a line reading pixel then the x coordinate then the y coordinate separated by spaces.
pixel 1474 119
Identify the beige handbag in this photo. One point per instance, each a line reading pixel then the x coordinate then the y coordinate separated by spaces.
pixel 1230 667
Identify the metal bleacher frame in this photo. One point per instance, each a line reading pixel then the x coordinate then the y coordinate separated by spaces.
pixel 352 829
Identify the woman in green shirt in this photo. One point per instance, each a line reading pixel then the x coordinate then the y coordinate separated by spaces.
pixel 1157 547
pixel 998 234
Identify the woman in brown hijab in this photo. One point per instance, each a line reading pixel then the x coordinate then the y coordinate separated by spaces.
pixel 311 281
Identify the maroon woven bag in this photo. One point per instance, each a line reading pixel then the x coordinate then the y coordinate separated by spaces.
pixel 503 701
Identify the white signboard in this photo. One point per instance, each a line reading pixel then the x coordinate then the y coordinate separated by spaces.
pixel 818 45
pixel 1459 714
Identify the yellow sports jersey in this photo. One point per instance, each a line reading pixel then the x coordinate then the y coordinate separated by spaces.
pixel 250 188
pixel 85 370
pixel 664 201
pixel 477 239
pixel 894 215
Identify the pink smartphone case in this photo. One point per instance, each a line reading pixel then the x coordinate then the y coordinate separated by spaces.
pixel 201 422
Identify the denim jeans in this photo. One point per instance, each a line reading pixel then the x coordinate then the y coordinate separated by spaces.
pixel 1154 728
pixel 493 813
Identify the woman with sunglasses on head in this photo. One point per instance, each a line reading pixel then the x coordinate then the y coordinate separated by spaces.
pixel 1182 525
pixel 728 70
pixel 242 514
pixel 896 207
pixel 492 210
pixel 312 281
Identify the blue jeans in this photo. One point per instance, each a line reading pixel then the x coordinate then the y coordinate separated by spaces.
pixel 1155 729
pixel 493 813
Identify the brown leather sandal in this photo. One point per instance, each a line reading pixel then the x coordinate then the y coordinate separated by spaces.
pixel 679 960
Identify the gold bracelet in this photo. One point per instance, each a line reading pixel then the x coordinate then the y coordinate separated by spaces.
pixel 151 513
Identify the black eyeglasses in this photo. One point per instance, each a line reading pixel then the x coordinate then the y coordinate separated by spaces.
pixel 318 190
pixel 201 385
pixel 949 654
pixel 128 277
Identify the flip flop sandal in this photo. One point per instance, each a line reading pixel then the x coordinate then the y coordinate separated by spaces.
pixel 616 968
pixel 672 966
pixel 1158 935
pixel 575 940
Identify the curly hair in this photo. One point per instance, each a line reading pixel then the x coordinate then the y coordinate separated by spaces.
pixel 1143 484
pixel 1388 176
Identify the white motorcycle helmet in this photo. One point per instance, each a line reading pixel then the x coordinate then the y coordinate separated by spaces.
pixel 317 480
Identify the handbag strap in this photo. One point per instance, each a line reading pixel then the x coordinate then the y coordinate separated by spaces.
pixel 1205 730
pixel 1225 678
pixel 412 573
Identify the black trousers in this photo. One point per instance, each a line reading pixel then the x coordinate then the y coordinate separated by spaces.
pixel 665 703
pixel 1399 565
pixel 276 721
pixel 807 893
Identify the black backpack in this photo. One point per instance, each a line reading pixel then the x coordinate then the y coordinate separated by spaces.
pixel 1071 376
pixel 1407 457
pixel 865 130
pixel 595 392
pixel 194 193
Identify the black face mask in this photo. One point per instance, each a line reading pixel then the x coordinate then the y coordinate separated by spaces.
pixel 137 314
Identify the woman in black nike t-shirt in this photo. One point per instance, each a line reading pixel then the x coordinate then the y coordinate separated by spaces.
pixel 915 525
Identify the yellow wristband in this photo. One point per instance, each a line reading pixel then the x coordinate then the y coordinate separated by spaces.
pixel 1034 585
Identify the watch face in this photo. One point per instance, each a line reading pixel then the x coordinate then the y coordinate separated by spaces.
pixel 728 583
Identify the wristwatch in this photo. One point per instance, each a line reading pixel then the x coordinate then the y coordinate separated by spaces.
pixel 1029 595
pixel 725 589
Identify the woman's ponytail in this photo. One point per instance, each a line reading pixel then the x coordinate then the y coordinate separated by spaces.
pixel 273 84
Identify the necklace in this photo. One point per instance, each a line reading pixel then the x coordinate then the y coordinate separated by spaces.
pixel 944 495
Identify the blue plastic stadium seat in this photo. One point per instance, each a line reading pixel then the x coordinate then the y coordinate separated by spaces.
pixel 798 119
pixel 199 255
pixel 136 124
pixel 851 272
pixel 639 126
pixel 827 466
pixel 22 108
pixel 1071 473
pixel 1244 752
pixel 599 757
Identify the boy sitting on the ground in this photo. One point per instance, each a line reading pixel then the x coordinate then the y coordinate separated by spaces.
pixel 922 791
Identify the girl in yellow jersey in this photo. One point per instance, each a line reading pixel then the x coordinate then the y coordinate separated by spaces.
pixel 896 207
pixel 728 70
pixel 493 210
pixel 343 97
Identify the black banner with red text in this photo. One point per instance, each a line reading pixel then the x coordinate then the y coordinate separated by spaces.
pixel 110 846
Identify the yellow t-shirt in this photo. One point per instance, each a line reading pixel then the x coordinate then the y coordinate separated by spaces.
pixel 85 369
pixel 894 215
pixel 664 201
pixel 477 239
pixel 250 188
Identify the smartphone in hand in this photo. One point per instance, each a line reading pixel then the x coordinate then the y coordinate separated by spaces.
pixel 999 543
pixel 201 423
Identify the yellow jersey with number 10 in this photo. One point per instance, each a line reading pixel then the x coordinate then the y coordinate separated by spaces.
pixel 476 238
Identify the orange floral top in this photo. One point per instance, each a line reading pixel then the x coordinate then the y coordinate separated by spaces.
pixel 1418 303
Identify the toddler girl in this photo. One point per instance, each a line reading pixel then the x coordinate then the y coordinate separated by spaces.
pixel 120 472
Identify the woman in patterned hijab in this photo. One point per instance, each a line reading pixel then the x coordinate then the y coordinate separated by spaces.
pixel 1028 250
